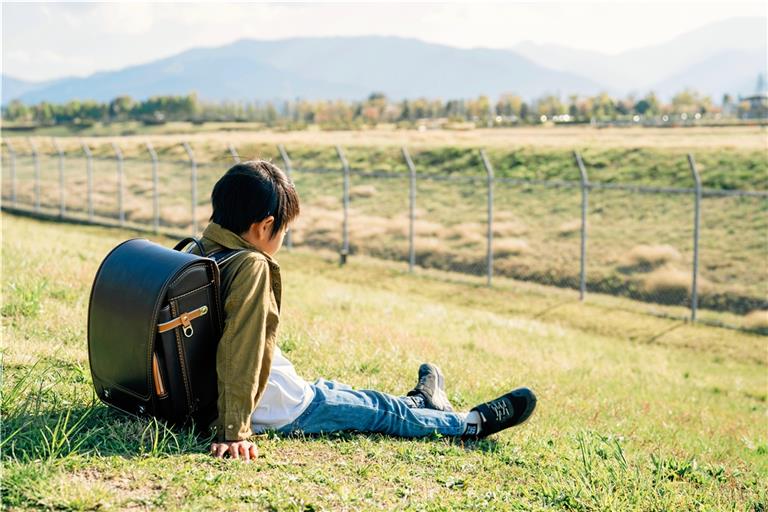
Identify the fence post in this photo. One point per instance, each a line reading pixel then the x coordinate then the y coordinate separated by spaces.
pixel 155 188
pixel 489 172
pixel 411 208
pixel 193 178
pixel 696 230
pixel 289 173
pixel 36 161
pixel 120 206
pixel 233 152
pixel 12 158
pixel 62 191
pixel 584 207
pixel 89 178
pixel 345 201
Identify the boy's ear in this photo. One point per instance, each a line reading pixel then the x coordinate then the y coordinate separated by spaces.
pixel 265 226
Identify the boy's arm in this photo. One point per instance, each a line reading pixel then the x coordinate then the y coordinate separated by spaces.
pixel 243 350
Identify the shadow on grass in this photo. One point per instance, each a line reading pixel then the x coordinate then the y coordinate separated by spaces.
pixel 483 445
pixel 653 339
pixel 553 307
pixel 102 431
pixel 92 430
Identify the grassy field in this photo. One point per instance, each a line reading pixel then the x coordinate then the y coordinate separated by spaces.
pixel 639 245
pixel 635 412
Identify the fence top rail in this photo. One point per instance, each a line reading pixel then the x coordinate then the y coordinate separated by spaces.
pixel 642 189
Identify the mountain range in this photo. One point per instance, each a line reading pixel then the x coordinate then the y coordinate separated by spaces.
pixel 723 57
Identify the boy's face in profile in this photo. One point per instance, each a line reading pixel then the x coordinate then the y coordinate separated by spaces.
pixel 260 236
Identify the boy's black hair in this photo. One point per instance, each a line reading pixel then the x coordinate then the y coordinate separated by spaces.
pixel 250 192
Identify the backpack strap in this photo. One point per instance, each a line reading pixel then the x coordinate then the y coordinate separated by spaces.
pixel 220 257
pixel 223 256
pixel 189 240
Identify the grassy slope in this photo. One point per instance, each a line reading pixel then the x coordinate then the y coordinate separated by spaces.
pixel 537 225
pixel 635 412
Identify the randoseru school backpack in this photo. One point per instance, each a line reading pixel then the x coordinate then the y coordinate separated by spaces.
pixel 154 321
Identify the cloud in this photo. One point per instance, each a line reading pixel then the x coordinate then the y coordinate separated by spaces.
pixel 89 37
pixel 20 56
pixel 121 18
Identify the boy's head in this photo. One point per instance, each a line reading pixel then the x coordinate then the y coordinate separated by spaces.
pixel 256 200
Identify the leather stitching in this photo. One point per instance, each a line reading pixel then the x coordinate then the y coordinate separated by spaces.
pixel 183 274
pixel 180 350
pixel 191 292
pixel 153 336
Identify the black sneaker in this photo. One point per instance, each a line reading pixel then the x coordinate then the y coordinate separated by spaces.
pixel 506 411
pixel 431 387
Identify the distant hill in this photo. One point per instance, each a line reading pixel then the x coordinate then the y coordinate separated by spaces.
pixel 321 68
pixel 673 65
pixel 717 58
pixel 15 88
pixel 731 71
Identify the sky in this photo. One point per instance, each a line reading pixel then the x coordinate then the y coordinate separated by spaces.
pixel 41 41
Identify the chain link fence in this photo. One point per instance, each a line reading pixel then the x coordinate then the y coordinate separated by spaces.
pixel 565 229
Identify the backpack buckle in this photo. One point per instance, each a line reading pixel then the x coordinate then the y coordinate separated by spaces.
pixel 184 321
pixel 186 325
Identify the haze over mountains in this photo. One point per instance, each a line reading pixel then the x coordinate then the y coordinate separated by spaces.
pixel 715 59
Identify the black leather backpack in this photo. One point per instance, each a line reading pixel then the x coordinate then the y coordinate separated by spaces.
pixel 154 321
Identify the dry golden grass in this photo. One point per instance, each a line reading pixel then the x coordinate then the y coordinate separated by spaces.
pixel 362 192
pixel 329 203
pixel 365 227
pixel 427 228
pixel 510 247
pixel 742 137
pixel 474 240
pixel 569 227
pixel 672 283
pixel 648 257
pixel 466 229
pixel 429 244
pixel 757 320
pixel 509 228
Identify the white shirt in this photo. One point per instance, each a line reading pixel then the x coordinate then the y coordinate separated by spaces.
pixel 287 396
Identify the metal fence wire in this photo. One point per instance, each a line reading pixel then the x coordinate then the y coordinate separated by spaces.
pixel 687 251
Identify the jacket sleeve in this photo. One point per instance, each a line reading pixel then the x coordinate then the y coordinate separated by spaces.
pixel 240 357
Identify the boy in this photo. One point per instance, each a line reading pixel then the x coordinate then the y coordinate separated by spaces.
pixel 259 389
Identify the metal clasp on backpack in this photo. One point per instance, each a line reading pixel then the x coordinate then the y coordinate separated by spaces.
pixel 184 320
pixel 186 325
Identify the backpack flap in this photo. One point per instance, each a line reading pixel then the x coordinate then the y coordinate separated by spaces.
pixel 130 287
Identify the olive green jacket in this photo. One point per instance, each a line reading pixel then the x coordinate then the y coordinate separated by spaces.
pixel 250 291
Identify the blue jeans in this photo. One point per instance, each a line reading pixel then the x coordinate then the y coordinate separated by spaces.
pixel 337 407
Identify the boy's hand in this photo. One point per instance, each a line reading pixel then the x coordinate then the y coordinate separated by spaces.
pixel 244 450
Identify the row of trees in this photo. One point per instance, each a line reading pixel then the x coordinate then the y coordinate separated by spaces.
pixel 123 108
pixel 377 108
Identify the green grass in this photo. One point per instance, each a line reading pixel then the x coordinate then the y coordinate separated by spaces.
pixel 537 227
pixel 635 412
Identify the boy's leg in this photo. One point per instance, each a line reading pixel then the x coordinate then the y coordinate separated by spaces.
pixel 337 409
pixel 414 402
pixel 331 384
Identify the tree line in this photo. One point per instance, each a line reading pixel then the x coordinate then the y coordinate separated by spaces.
pixel 507 109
